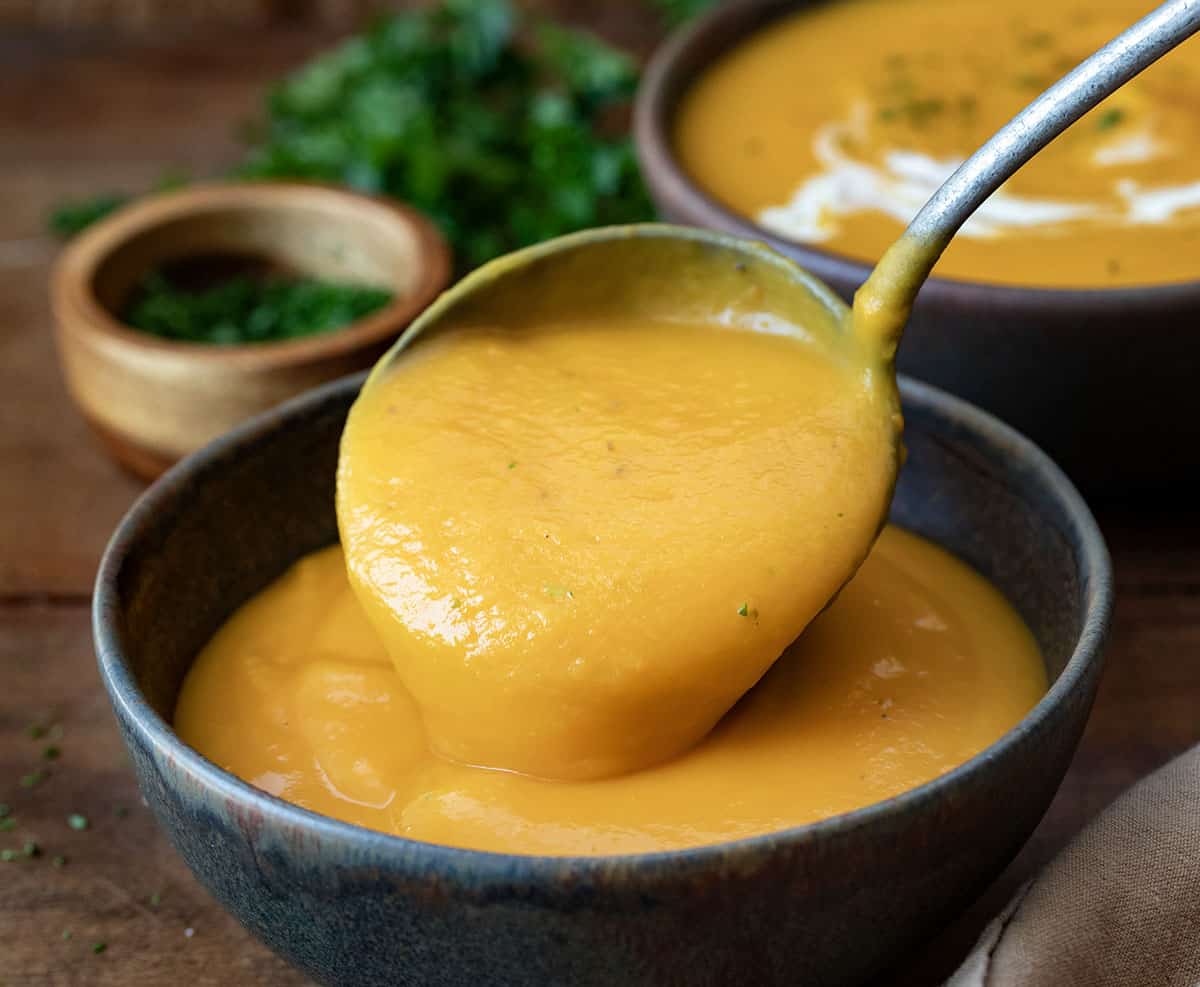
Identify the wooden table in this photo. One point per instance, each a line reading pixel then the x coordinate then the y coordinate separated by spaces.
pixel 80 115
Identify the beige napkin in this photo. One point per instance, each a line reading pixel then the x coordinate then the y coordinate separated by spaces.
pixel 1119 906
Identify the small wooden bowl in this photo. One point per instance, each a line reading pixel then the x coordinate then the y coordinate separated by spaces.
pixel 151 400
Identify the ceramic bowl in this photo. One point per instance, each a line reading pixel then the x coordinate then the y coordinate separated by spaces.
pixel 827 903
pixel 153 400
pixel 1103 379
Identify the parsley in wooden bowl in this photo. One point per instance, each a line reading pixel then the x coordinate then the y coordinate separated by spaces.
pixel 185 313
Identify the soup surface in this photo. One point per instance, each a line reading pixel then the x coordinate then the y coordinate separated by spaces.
pixel 583 540
pixel 835 124
pixel 917 665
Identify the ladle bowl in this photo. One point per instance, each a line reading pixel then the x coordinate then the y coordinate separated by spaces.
pixel 830 508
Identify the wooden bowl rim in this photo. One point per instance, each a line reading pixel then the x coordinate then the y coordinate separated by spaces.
pixel 697 45
pixel 72 278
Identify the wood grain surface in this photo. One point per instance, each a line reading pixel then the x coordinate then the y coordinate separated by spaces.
pixel 81 114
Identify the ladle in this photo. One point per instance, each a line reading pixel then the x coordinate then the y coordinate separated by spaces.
pixel 514 701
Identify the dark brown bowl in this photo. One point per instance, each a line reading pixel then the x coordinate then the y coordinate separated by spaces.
pixel 1105 380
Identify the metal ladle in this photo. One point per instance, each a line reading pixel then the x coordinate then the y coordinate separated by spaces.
pixel 643 275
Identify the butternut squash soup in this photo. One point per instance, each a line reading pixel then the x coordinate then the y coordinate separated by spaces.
pixel 917 665
pixel 833 126
pixel 583 540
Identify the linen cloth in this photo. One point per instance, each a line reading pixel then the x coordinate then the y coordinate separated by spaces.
pixel 1118 907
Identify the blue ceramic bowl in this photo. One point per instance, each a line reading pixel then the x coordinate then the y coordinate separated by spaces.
pixel 827 903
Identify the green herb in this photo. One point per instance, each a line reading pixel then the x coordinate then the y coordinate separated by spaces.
pixel 677 11
pixel 8 855
pixel 59 861
pixel 7 825
pixel 1110 118
pixel 500 126
pixel 5 810
pixel 243 309
pixel 52 753
pixel 512 465
pixel 744 610
pixel 77 822
pixel 155 900
pixel 921 110
pixel 1038 39
pixel 66 934
pixel 31 849
pixel 121 812
pixel 36 731
pixel 99 947
pixel 1030 80
pixel 72 217
pixel 33 779
pixel 558 592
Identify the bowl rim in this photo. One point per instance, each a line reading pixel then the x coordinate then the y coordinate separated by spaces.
pixel 488 869
pixel 667 76
pixel 72 279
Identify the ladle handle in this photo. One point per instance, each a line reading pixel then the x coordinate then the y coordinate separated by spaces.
pixel 900 274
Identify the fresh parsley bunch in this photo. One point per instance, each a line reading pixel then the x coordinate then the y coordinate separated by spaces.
pixel 504 129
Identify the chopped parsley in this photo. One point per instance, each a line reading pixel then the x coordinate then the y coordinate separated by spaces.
pixel 246 309
pixel 34 778
pixel 77 822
